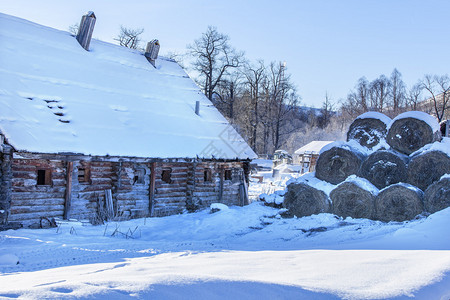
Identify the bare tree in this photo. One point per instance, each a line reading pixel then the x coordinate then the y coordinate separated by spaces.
pixel 357 100
pixel 129 38
pixel 255 75
pixel 214 57
pixel 413 97
pixel 397 91
pixel 378 93
pixel 228 90
pixel 438 87
pixel 73 29
pixel 325 112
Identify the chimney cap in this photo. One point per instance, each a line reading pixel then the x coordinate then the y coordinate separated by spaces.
pixel 91 14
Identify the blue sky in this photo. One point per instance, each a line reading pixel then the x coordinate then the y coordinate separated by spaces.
pixel 327 44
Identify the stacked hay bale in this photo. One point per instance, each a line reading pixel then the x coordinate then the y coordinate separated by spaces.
pixel 396 161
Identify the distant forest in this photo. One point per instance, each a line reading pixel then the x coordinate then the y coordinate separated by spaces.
pixel 263 104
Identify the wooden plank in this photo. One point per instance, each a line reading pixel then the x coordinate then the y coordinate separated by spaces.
pixel 68 195
pixel 152 187
pixel 221 185
pixel 109 204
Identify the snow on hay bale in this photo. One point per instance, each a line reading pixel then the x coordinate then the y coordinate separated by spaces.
pixel 384 167
pixel 412 130
pixel 303 200
pixel 354 198
pixel 427 167
pixel 437 195
pixel 398 202
pixel 369 129
pixel 338 161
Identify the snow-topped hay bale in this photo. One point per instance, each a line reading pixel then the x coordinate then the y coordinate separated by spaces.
pixel 384 167
pixel 369 129
pixel 412 130
pixel 354 198
pixel 398 202
pixel 427 167
pixel 303 200
pixel 437 195
pixel 336 162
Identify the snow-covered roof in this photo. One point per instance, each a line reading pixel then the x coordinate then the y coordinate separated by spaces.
pixel 57 97
pixel 313 147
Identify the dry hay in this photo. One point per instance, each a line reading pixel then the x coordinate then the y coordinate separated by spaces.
pixel 336 164
pixel 351 200
pixel 384 167
pixel 367 132
pixel 437 195
pixel 428 167
pixel 303 200
pixel 410 134
pixel 398 202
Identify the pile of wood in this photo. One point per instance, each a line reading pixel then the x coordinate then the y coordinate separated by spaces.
pixel 399 164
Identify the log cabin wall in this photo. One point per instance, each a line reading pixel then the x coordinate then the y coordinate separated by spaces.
pixel 131 190
pixel 34 186
pixel 37 190
pixel 89 181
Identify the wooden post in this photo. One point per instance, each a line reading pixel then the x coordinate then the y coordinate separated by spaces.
pixel 86 29
pixel 152 189
pixel 197 108
pixel 68 195
pixel 221 185
pixel 246 202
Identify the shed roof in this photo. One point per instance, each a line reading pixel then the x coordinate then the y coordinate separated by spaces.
pixel 57 97
pixel 313 147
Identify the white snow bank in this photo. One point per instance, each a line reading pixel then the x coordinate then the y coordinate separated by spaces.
pixel 351 145
pixel 362 183
pixel 311 180
pixel 218 206
pixel 443 146
pixel 8 260
pixel 274 198
pixel 375 115
pixel 419 115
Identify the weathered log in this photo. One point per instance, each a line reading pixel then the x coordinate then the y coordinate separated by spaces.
pixel 336 164
pixel 427 167
pixel 398 202
pixel 303 200
pixel 368 129
pixel 351 200
pixel 384 167
pixel 437 195
pixel 411 131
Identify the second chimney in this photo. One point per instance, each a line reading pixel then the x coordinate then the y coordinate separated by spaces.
pixel 152 50
pixel 86 29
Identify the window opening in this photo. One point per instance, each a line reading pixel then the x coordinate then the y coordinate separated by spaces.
pixel 207 175
pixel 165 175
pixel 139 176
pixel 44 177
pixel 227 174
pixel 83 174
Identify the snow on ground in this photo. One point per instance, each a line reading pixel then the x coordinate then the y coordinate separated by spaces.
pixel 242 252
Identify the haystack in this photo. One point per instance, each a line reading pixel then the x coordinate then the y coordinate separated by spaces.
pixel 437 195
pixel 351 200
pixel 411 131
pixel 384 167
pixel 398 202
pixel 428 167
pixel 303 200
pixel 336 164
pixel 368 129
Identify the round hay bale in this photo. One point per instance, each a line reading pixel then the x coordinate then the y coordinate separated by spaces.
pixel 336 164
pixel 410 131
pixel 384 167
pixel 368 129
pixel 350 200
pixel 427 167
pixel 303 200
pixel 398 202
pixel 437 195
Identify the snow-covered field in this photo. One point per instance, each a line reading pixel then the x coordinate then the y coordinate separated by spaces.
pixel 240 252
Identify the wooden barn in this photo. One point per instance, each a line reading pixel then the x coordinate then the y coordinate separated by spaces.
pixel 94 131
pixel 307 155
